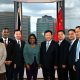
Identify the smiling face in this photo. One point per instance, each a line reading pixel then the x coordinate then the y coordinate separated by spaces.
pixel 5 33
pixel 32 40
pixel 48 36
pixel 71 35
pixel 17 35
pixel 78 33
pixel 61 35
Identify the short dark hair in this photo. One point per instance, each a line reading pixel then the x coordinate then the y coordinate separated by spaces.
pixel 33 36
pixel 5 28
pixel 61 31
pixel 16 30
pixel 48 31
pixel 71 30
pixel 78 27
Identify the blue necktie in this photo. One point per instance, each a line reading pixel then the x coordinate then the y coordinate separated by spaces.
pixel 77 51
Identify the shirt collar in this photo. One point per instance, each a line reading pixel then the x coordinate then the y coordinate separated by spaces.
pixel 73 41
pixel 49 41
pixel 17 40
pixel 60 41
pixel 4 39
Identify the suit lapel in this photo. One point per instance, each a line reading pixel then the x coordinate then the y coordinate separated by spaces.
pixel 21 44
pixel 63 42
pixel 74 44
pixel 3 41
pixel 8 41
pixel 45 46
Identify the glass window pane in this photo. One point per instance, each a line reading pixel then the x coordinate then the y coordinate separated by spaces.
pixel 7 15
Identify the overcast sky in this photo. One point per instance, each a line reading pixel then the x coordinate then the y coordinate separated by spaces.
pixel 38 10
pixel 35 10
pixel 72 11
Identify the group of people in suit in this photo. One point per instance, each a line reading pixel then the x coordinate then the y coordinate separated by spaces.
pixel 12 56
pixel 63 56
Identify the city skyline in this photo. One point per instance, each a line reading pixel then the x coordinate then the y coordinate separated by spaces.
pixel 72 11
pixel 35 10
pixel 44 23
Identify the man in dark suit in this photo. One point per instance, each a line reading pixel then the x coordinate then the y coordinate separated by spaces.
pixel 18 59
pixel 48 56
pixel 10 53
pixel 63 56
pixel 77 56
pixel 72 53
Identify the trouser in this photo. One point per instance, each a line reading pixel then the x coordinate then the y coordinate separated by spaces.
pixel 2 76
pixel 72 73
pixel 32 72
pixel 9 72
pixel 19 72
pixel 48 73
pixel 78 69
pixel 62 73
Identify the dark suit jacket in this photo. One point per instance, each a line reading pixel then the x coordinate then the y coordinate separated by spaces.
pixel 9 48
pixel 48 58
pixel 63 53
pixel 18 57
pixel 72 53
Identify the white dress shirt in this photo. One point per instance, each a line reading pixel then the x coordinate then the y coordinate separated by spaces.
pixel 60 41
pixel 5 40
pixel 19 42
pixel 48 44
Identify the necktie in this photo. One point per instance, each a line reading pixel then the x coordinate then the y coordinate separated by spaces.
pixel 47 46
pixel 5 42
pixel 70 46
pixel 19 43
pixel 77 51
